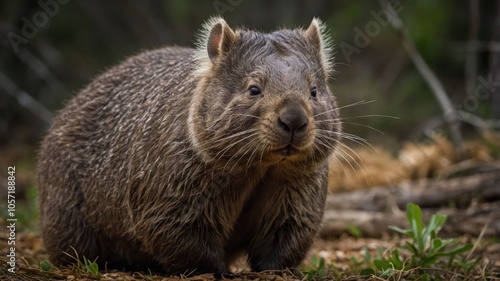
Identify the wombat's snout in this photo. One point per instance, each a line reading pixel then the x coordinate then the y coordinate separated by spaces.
pixel 293 123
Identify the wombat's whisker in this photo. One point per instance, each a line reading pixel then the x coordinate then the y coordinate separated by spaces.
pixel 240 139
pixel 352 136
pixel 332 138
pixel 352 151
pixel 326 132
pixel 368 116
pixel 365 126
pixel 233 136
pixel 181 159
pixel 356 139
pixel 325 112
pixel 338 153
pixel 342 63
pixel 248 115
pixel 251 158
pixel 342 154
pixel 361 102
pixel 333 121
pixel 242 154
pixel 354 117
pixel 228 147
pixel 356 155
pixel 325 145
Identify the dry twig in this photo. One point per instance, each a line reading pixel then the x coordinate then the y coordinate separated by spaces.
pixel 450 115
pixel 24 99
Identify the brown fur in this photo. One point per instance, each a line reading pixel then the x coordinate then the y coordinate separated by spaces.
pixel 167 161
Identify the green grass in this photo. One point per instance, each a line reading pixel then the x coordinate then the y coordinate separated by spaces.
pixel 424 256
pixel 84 265
pixel 318 269
pixel 80 266
pixel 425 246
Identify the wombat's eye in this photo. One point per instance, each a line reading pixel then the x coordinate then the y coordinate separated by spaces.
pixel 254 91
pixel 314 91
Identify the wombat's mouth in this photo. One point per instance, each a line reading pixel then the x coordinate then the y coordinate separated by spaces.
pixel 288 150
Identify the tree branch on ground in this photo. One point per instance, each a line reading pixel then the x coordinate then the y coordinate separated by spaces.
pixel 474 201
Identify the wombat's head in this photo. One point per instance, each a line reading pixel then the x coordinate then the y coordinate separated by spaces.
pixel 263 98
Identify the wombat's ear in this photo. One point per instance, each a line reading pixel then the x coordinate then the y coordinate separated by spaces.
pixel 316 33
pixel 219 39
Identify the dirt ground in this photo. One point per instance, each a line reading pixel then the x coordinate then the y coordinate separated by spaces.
pixel 345 253
pixel 348 255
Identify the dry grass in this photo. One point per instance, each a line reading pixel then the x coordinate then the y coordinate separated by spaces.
pixel 368 167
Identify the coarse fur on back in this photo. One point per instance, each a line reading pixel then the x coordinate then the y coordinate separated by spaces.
pixel 181 160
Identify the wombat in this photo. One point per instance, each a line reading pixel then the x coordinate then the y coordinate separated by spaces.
pixel 183 159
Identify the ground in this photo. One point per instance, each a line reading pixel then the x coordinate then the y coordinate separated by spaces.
pixel 347 254
pixel 339 258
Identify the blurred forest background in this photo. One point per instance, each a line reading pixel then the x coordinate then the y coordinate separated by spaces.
pixel 50 49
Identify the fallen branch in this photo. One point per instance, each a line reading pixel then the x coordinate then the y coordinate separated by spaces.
pixel 374 224
pixel 372 210
pixel 425 193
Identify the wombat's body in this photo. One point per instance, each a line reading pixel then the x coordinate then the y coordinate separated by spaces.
pixel 181 160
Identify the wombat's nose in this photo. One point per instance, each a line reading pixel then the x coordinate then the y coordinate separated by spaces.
pixel 293 122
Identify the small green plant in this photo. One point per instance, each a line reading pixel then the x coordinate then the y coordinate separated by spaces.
pixel 354 231
pixel 85 265
pixel 45 265
pixel 426 248
pixel 91 266
pixel 363 265
pixel 317 269
pixel 423 256
pixel 466 264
